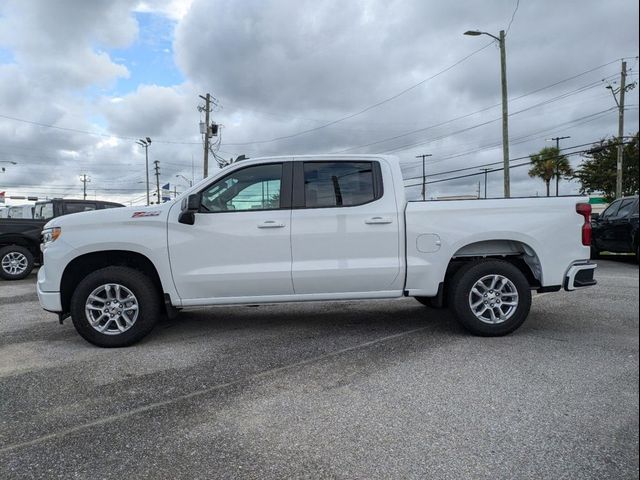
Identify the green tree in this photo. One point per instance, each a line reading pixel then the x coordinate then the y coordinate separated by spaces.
pixel 597 173
pixel 548 164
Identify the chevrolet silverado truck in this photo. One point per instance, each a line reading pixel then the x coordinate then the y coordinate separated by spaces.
pixel 20 237
pixel 310 228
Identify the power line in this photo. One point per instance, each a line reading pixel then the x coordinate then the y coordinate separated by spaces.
pixel 88 132
pixel 472 127
pixel 515 10
pixel 490 171
pixel 495 163
pixel 366 109
pixel 529 136
pixel 424 142
pixel 560 97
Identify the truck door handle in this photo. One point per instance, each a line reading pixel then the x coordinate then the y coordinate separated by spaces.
pixel 378 220
pixel 270 224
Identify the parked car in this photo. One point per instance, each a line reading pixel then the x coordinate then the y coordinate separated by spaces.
pixel 616 229
pixel 311 228
pixel 20 237
pixel 17 211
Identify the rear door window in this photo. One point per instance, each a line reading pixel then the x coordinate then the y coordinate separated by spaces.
pixel 626 207
pixel 339 184
pixel 611 210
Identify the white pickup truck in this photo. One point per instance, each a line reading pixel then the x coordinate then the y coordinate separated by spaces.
pixel 310 228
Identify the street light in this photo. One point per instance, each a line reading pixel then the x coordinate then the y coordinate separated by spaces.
pixel 145 143
pixel 505 113
pixel 190 182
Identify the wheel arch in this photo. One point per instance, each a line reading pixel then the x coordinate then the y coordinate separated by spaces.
pixel 83 265
pixel 21 240
pixel 516 252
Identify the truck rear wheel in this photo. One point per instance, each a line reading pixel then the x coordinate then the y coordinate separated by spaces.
pixel 16 262
pixel 490 297
pixel 115 307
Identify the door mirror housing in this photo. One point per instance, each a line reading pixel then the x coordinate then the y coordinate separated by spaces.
pixel 193 202
pixel 190 206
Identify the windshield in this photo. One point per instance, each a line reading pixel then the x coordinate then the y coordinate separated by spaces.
pixel 44 211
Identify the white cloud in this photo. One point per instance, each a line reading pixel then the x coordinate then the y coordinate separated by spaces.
pixel 281 67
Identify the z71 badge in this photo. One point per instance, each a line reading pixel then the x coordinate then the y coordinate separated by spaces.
pixel 153 213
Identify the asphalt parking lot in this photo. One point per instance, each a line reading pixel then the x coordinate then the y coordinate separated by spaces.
pixel 380 389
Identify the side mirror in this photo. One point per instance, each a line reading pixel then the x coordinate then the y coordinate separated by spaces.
pixel 189 208
pixel 193 202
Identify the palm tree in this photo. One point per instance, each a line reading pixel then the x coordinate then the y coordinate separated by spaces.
pixel 548 164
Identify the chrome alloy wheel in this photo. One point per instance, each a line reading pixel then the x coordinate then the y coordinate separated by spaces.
pixel 111 309
pixel 14 263
pixel 493 299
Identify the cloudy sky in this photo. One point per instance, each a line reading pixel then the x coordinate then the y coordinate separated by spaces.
pixel 80 81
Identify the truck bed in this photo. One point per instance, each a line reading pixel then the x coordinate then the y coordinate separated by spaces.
pixel 543 231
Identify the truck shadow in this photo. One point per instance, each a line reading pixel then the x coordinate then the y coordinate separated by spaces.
pixel 311 318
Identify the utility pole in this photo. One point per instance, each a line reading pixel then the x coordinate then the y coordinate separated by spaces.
pixel 557 140
pixel 157 168
pixel 623 79
pixel 424 174
pixel 84 180
pixel 145 143
pixel 505 116
pixel 207 110
pixel 620 104
pixel 505 110
pixel 485 170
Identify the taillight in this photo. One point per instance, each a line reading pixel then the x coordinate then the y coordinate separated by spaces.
pixel 584 209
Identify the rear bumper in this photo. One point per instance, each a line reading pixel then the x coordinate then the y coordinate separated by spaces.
pixel 580 276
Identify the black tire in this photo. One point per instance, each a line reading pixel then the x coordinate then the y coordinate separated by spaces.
pixel 460 289
pixel 23 252
pixel 146 293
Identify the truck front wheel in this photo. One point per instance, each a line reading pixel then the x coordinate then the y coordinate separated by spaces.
pixel 16 262
pixel 115 307
pixel 490 297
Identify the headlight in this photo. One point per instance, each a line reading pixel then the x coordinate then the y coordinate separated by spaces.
pixel 50 235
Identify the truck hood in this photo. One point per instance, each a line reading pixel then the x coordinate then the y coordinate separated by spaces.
pixel 112 215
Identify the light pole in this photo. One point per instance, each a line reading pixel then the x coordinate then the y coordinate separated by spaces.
pixel 505 112
pixel 145 143
pixel 190 182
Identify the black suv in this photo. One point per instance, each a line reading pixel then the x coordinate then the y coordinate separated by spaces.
pixel 616 229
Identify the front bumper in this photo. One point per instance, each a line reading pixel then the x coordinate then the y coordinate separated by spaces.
pixel 580 276
pixel 50 301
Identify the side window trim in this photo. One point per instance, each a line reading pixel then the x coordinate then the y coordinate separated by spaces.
pixel 286 186
pixel 298 200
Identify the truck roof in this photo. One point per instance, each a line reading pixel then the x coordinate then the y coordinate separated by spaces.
pixel 331 156
pixel 78 200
